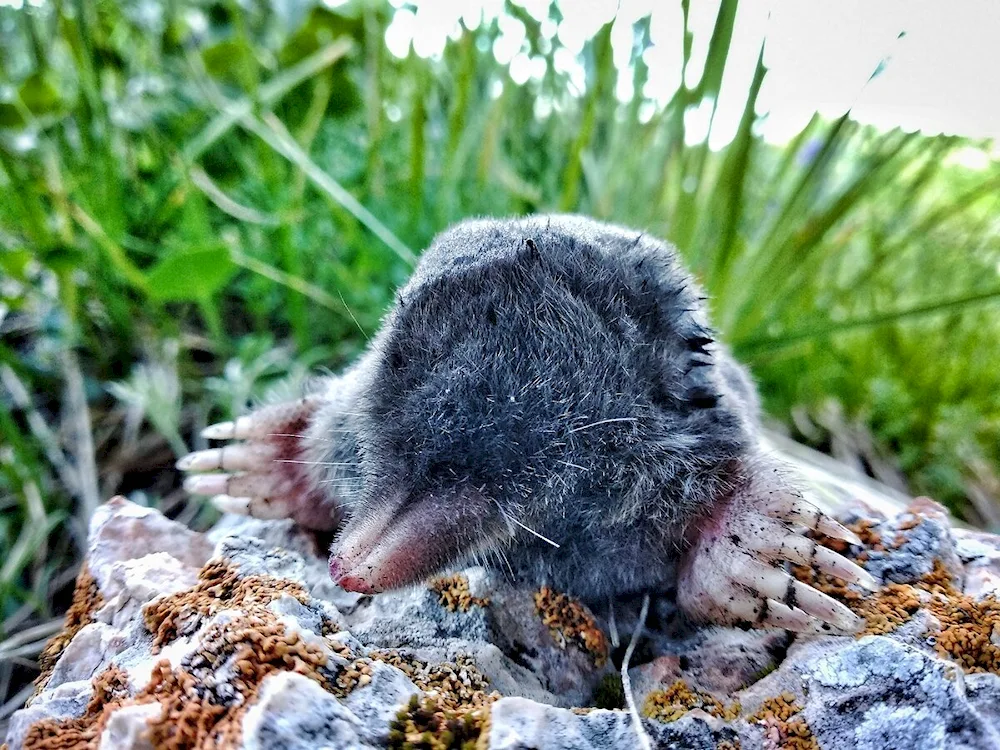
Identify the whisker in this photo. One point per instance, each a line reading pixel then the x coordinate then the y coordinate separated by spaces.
pixel 532 531
pixel 351 313
pixel 603 421
pixel 503 557
pixel 506 517
pixel 314 463
pixel 299 437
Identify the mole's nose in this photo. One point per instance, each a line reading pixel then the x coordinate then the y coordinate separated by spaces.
pixel 348 582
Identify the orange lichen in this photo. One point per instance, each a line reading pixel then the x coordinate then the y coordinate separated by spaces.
pixel 87 599
pixel 454 593
pixel 252 646
pixel 969 632
pixel 457 686
pixel 569 621
pixel 887 609
pixel 357 673
pixel 200 709
pixel 970 629
pixel 203 702
pixel 192 716
pixel 219 587
pixel 187 719
pixel 673 702
pixel 784 729
pixel 84 732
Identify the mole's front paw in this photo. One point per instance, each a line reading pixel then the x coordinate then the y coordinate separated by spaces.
pixel 734 573
pixel 270 472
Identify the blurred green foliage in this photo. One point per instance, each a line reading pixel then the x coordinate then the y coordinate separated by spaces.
pixel 203 202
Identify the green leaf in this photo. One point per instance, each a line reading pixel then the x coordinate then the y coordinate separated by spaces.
pixel 40 94
pixel 191 275
pixel 230 60
pixel 10 117
pixel 14 263
pixel 322 27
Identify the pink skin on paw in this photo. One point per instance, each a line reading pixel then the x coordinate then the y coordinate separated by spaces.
pixel 271 470
pixel 732 572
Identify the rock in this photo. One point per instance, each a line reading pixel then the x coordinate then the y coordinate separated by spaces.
pixel 62 702
pixel 912 543
pixel 878 693
pixel 127 728
pixel 981 554
pixel 120 531
pixel 983 692
pixel 377 703
pixel 238 637
pixel 719 661
pixel 520 724
pixel 295 713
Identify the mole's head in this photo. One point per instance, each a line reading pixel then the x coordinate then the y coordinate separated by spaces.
pixel 514 386
pixel 457 419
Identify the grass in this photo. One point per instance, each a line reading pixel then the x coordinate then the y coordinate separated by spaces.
pixel 204 204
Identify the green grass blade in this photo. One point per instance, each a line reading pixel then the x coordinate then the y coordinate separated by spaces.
pixel 279 140
pixel 270 94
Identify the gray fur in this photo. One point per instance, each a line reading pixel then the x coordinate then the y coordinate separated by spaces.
pixel 553 371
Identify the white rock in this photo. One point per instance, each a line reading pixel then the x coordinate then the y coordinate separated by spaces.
pixel 294 713
pixel 377 703
pixel 128 728
pixel 67 701
pixel 120 530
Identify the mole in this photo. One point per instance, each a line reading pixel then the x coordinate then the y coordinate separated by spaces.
pixel 546 397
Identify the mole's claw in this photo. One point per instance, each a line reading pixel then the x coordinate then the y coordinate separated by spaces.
pixel 766 582
pixel 759 578
pixel 279 465
pixel 227 458
pixel 770 613
pixel 221 431
pixel 778 615
pixel 824 608
pixel 207 484
pixel 774 542
pixel 286 419
pixel 827 561
pixel 239 506
pixel 795 509
pixel 734 573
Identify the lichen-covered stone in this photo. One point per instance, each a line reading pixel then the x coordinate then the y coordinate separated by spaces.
pixel 519 724
pixel 239 639
pixel 59 703
pixel 878 692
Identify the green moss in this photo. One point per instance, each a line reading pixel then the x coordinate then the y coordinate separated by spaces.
pixel 609 693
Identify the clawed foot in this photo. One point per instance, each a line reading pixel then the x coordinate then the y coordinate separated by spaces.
pixel 734 572
pixel 274 468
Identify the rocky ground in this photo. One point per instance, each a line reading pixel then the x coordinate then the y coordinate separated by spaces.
pixel 238 638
